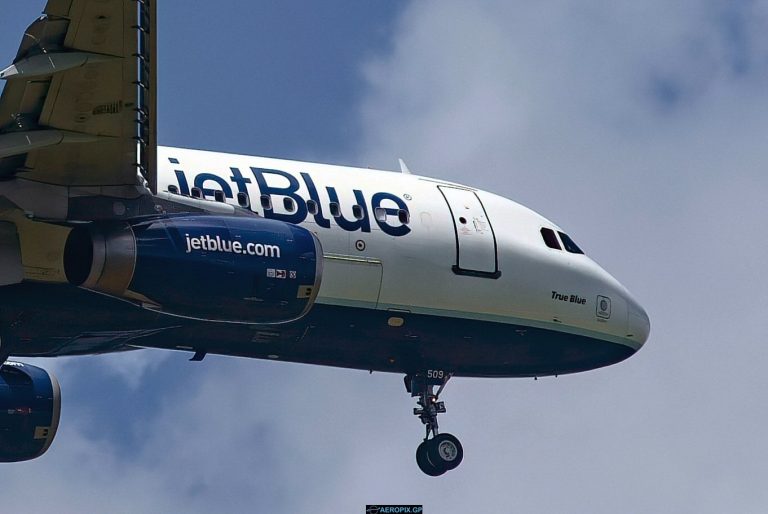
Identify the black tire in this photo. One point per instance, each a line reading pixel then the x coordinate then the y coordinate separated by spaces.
pixel 445 452
pixel 422 459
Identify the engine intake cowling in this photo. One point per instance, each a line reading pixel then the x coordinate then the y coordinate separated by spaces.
pixel 216 268
pixel 30 404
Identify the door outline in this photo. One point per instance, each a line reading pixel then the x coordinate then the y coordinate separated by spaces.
pixel 456 267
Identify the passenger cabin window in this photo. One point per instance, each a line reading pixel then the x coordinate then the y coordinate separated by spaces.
pixel 243 200
pixel 550 239
pixel 380 213
pixel 312 207
pixel 289 204
pixel 197 192
pixel 218 195
pixel 173 190
pixel 335 210
pixel 570 246
pixel 403 216
pixel 357 212
pixel 266 202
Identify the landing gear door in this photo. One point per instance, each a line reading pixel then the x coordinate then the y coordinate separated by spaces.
pixel 475 239
pixel 351 281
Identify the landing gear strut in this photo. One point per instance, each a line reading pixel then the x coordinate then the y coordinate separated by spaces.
pixel 443 452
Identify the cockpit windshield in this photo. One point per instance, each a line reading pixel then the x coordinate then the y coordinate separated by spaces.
pixel 552 241
pixel 568 243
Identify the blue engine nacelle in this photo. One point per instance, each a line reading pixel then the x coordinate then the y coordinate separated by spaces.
pixel 215 268
pixel 30 403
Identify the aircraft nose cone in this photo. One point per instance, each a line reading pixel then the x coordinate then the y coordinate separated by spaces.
pixel 638 323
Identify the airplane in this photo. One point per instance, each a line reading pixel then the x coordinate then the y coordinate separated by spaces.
pixel 111 243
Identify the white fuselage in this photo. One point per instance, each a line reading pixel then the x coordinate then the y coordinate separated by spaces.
pixel 401 242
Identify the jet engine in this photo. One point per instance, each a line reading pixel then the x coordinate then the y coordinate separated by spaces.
pixel 215 268
pixel 30 403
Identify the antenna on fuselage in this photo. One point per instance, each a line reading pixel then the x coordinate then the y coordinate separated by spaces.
pixel 403 167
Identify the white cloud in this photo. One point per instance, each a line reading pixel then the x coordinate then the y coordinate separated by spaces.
pixel 640 127
pixel 132 366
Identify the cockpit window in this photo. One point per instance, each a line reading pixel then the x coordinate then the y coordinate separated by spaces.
pixel 550 239
pixel 570 246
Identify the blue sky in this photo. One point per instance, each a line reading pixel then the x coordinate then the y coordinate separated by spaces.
pixel 639 127
pixel 294 65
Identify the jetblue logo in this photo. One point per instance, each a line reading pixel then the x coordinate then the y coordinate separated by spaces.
pixel 385 205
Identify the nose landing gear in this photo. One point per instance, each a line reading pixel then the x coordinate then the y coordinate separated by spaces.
pixel 443 452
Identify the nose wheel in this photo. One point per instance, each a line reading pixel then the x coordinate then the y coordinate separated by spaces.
pixel 438 452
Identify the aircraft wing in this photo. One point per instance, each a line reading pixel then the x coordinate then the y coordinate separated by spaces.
pixel 78 107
